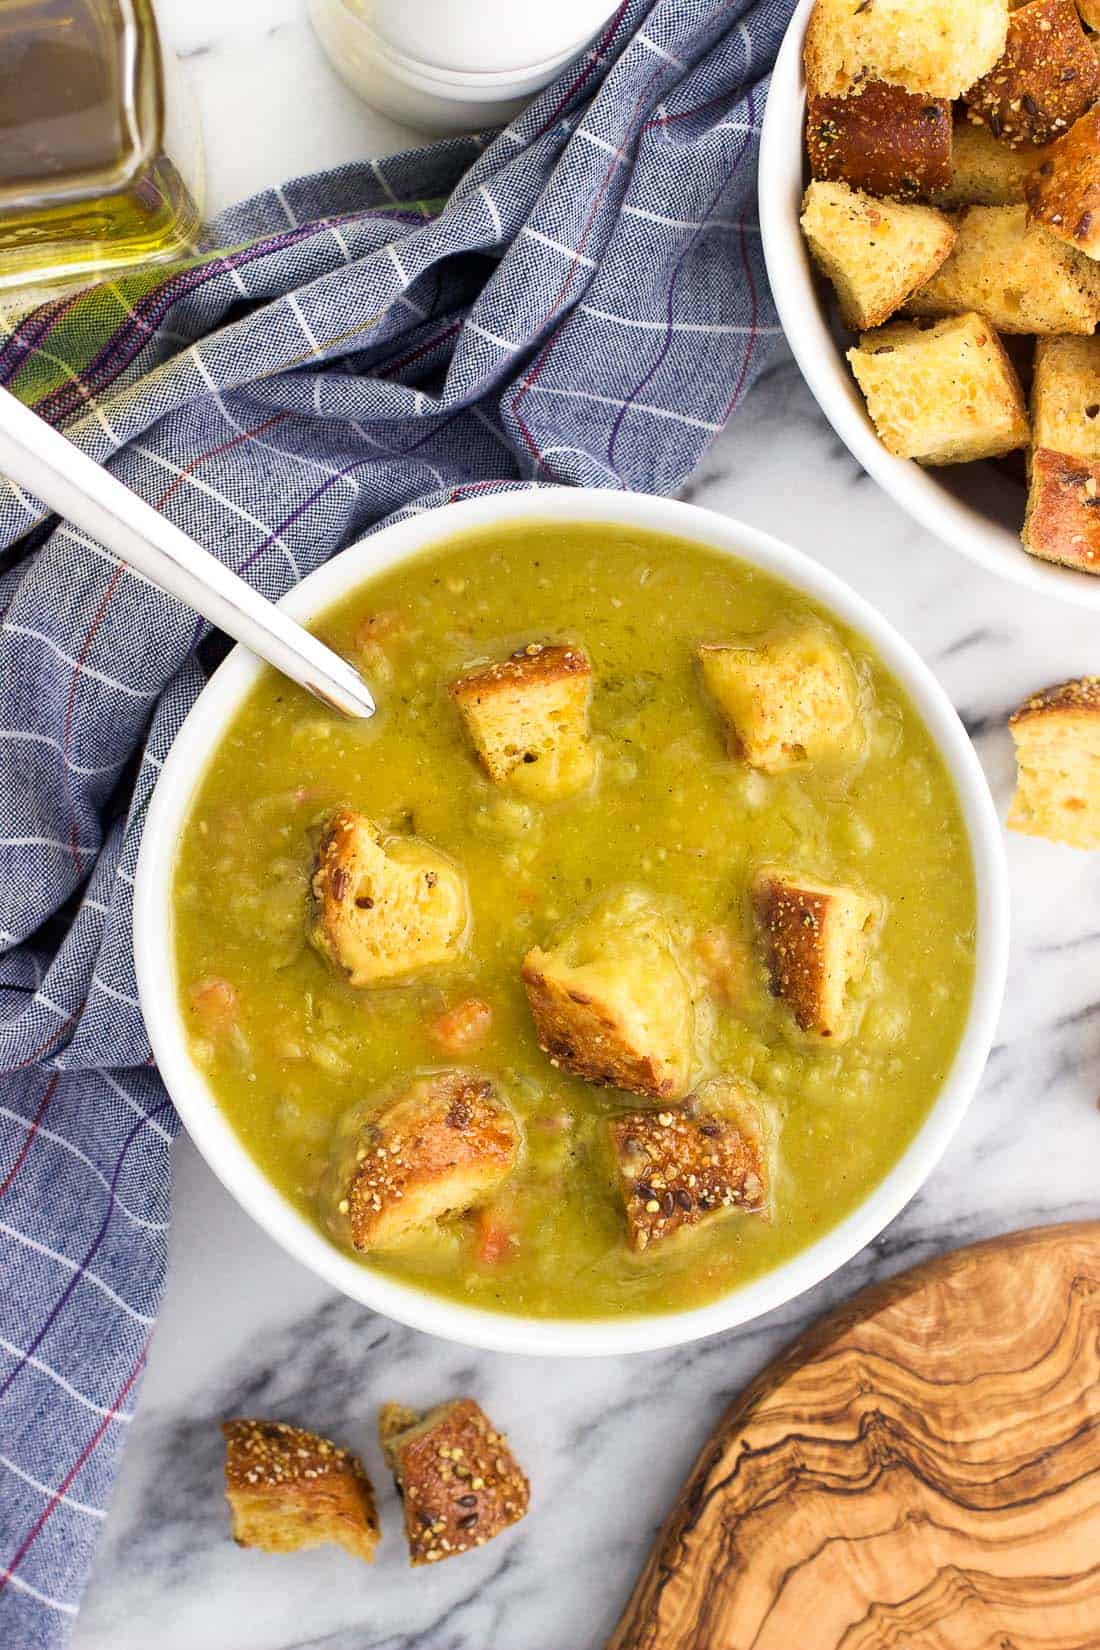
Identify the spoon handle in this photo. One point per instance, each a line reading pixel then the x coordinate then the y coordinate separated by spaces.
pixel 40 459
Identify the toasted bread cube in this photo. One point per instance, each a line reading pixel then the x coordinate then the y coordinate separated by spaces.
pixel 875 252
pixel 613 1001
pixel 944 394
pixel 786 699
pixel 936 47
pixel 288 1489
pixel 1015 274
pixel 528 720
pixel 817 941
pixel 1057 735
pixel 1046 79
pixel 985 172
pixel 442 1146
pixel 1065 396
pixel 457 1477
pixel 700 1162
pixel 384 907
pixel 882 140
pixel 1090 13
pixel 1064 191
pixel 1062 523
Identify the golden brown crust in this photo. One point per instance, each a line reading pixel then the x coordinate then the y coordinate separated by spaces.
pixel 882 140
pixel 459 1481
pixel 289 1489
pixel 1064 191
pixel 693 1164
pixel 585 1035
pixel 1062 523
pixel 443 1146
pixel 1057 737
pixel 816 939
pixel 537 662
pixel 1081 696
pixel 1049 75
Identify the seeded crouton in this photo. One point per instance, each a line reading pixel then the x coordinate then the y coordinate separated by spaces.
pixel 985 172
pixel 384 907
pixel 941 394
pixel 1015 274
pixel 875 252
pixel 880 139
pixel 1062 522
pixel 528 719
pixel 1048 76
pixel 458 1479
pixel 612 1000
pixel 681 1169
pixel 817 940
pixel 785 699
pixel 443 1146
pixel 1064 191
pixel 937 47
pixel 1057 735
pixel 288 1489
pixel 1065 396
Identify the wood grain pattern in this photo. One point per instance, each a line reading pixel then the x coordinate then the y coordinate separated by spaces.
pixel 920 1470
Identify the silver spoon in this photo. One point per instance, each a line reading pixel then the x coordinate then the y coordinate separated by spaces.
pixel 39 458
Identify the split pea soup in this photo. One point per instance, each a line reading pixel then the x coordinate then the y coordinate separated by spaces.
pixel 672 817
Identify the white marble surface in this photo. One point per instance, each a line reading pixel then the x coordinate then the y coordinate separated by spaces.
pixel 606 1443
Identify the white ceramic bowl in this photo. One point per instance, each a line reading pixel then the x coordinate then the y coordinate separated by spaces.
pixel 973 507
pixel 153 936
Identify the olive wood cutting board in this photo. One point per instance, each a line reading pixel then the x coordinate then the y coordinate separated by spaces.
pixel 920 1471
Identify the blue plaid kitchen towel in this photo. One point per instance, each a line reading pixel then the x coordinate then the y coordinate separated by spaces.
pixel 579 299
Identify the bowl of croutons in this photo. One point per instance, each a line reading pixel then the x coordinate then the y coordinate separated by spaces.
pixel 930 211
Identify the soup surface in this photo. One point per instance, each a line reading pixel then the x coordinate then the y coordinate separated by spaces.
pixel 289 1047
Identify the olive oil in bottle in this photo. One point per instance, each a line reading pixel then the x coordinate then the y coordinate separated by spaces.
pixel 99 166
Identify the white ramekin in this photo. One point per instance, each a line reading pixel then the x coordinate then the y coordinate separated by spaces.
pixel 215 1138
pixel 972 507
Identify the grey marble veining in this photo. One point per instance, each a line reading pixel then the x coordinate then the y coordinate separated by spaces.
pixel 606 1442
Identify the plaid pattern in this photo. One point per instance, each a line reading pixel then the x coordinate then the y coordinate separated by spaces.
pixel 579 299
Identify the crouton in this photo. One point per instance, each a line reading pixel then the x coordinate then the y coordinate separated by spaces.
pixel 1046 79
pixel 528 720
pixel 1064 191
pixel 384 907
pixel 882 140
pixel 457 1477
pixel 288 1489
pixel 936 47
pixel 1057 735
pixel 442 1146
pixel 817 941
pixel 1090 13
pixel 1062 521
pixel 612 1000
pixel 941 394
pixel 785 699
pixel 875 252
pixel 1065 396
pixel 1015 274
pixel 985 172
pixel 700 1162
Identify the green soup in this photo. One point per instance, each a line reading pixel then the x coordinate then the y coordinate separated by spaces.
pixel 670 812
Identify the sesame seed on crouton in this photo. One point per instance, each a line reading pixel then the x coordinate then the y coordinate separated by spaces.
pixel 875 252
pixel 1057 735
pixel 289 1489
pixel 384 907
pixel 937 47
pixel 817 940
pixel 528 720
pixel 459 1481
pixel 684 1168
pixel 444 1145
pixel 882 140
pixel 612 1000
pixel 785 699
pixel 1046 78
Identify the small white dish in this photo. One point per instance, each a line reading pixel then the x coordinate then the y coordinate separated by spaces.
pixel 216 1139
pixel 973 507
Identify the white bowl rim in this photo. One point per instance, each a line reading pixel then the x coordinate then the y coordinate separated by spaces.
pixel 241 1175
pixel 794 289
